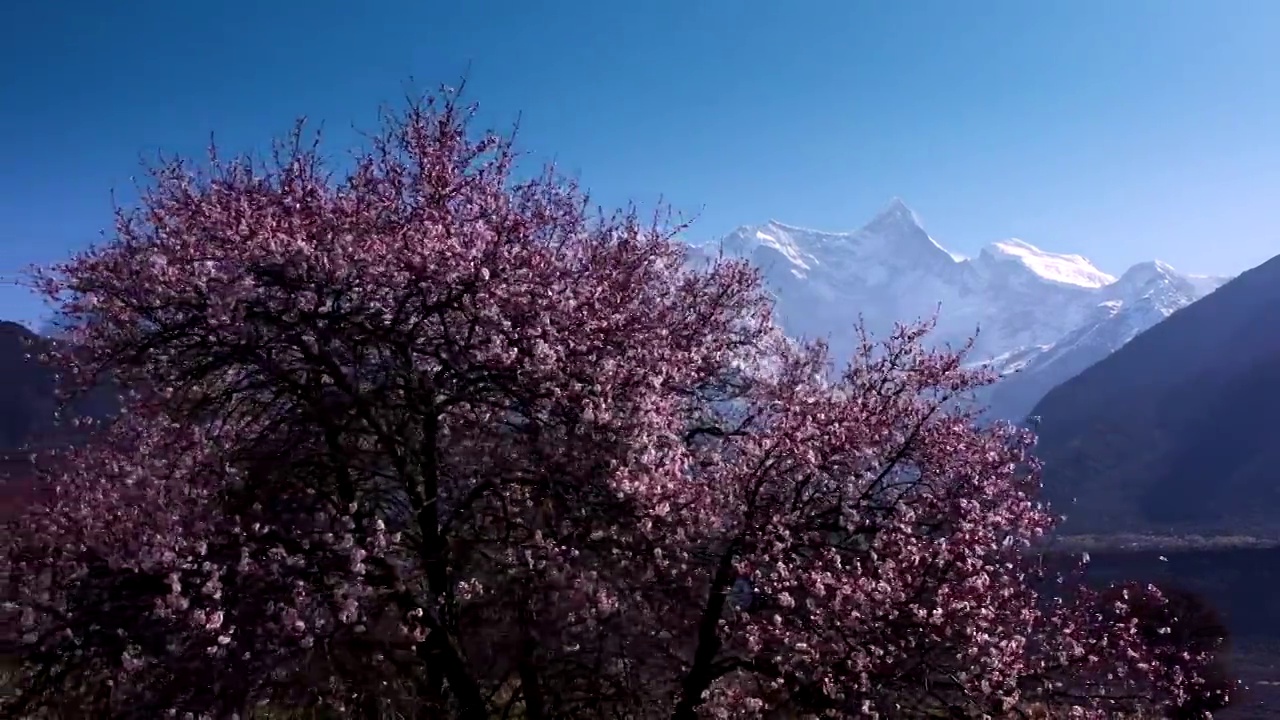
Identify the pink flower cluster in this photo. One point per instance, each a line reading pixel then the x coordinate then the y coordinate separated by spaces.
pixel 428 439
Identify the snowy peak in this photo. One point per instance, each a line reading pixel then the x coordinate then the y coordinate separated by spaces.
pixel 782 240
pixel 1157 284
pixel 899 228
pixel 896 219
pixel 1046 314
pixel 1156 273
pixel 1146 272
pixel 1073 270
pixel 1150 279
pixel 893 242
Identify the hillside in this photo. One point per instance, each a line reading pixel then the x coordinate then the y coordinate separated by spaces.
pixel 29 402
pixel 1176 432
pixel 26 388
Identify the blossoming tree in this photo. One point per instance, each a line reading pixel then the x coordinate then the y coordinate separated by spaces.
pixel 429 440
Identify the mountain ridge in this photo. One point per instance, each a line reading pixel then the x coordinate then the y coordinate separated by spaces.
pixel 1035 312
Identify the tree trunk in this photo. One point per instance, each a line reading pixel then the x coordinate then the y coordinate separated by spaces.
pixel 702 673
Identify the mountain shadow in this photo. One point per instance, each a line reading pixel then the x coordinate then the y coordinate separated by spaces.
pixel 28 394
pixel 29 410
pixel 1176 432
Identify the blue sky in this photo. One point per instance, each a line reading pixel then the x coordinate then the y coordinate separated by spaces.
pixel 1119 129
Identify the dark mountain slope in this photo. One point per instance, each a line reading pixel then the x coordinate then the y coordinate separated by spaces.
pixel 1177 431
pixel 28 401
pixel 27 405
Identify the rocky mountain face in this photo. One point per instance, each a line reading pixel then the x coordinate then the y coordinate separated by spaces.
pixel 1040 317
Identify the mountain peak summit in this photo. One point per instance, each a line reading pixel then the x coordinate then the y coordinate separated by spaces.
pixel 899 223
pixel 896 213
pixel 896 204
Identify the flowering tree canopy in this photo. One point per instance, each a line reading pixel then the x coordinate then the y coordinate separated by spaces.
pixel 428 440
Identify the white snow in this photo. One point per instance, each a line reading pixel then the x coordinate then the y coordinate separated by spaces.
pixel 783 245
pixel 1065 269
pixel 1043 316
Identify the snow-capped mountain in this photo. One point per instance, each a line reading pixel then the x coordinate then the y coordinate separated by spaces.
pixel 1040 317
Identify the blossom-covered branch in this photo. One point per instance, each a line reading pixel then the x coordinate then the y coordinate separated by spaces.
pixel 425 439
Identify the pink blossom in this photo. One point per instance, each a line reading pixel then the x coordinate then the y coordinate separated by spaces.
pixel 419 435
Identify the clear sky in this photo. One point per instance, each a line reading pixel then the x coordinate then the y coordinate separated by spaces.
pixel 1120 129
